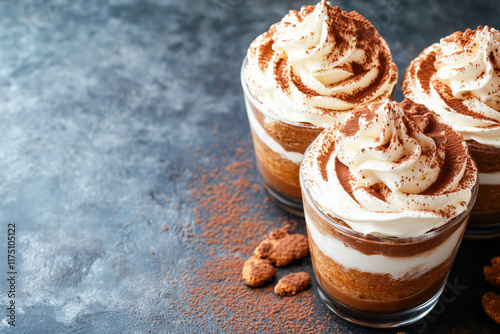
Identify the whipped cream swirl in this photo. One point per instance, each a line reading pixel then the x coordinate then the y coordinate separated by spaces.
pixel 390 169
pixel 459 78
pixel 318 63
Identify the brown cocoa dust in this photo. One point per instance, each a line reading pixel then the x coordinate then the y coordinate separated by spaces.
pixel 228 225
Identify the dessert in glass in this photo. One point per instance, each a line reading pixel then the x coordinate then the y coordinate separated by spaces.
pixel 307 72
pixel 387 196
pixel 459 78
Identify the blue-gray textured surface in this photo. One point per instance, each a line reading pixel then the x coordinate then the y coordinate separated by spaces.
pixel 98 102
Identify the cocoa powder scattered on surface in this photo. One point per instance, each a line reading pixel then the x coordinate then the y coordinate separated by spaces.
pixel 228 224
pixel 220 220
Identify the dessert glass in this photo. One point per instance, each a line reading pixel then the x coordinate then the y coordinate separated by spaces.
pixel 450 77
pixel 387 197
pixel 279 169
pixel 307 72
pixel 379 299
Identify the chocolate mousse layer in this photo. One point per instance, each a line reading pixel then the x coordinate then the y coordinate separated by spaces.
pixel 278 172
pixel 376 292
pixel 486 157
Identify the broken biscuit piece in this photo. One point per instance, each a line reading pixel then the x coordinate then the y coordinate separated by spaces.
pixel 491 305
pixel 282 248
pixel 258 272
pixel 492 273
pixel 292 284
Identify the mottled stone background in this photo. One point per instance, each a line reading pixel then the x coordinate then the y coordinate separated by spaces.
pixel 99 101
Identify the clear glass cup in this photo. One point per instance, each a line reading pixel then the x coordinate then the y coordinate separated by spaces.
pixel 485 219
pixel 279 147
pixel 380 281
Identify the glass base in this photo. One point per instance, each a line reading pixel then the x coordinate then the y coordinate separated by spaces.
pixel 379 320
pixel 290 204
pixel 482 232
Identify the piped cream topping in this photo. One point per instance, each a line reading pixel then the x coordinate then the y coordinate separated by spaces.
pixel 459 79
pixel 319 63
pixel 391 169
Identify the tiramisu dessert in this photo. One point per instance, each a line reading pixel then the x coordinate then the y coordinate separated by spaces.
pixel 387 197
pixel 459 78
pixel 307 72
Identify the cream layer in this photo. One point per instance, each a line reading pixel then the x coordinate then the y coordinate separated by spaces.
pixel 268 140
pixel 397 267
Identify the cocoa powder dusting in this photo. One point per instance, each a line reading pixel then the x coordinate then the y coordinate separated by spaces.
pixel 344 28
pixel 455 154
pixel 228 225
pixel 280 72
pixel 297 82
pixel 417 118
pixel 462 38
pixel 377 190
pixel 338 26
pixel 455 104
pixel 351 125
pixel 326 151
pixel 364 94
pixel 426 71
pixel 344 176
pixel 306 10
pixel 265 52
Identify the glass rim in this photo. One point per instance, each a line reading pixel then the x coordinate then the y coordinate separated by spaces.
pixel 381 239
pixel 265 110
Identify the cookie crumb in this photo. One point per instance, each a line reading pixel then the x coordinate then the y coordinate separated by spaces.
pixel 292 284
pixel 491 305
pixel 282 248
pixel 492 273
pixel 258 272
